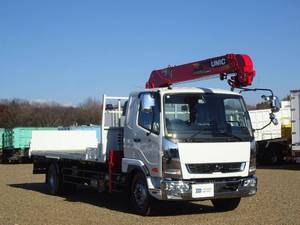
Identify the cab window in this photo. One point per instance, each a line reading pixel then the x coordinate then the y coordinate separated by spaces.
pixel 145 118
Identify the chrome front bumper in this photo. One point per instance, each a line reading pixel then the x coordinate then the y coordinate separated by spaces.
pixel 227 188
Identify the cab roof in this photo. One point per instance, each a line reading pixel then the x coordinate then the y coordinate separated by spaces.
pixel 166 90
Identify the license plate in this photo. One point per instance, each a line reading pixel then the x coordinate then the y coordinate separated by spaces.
pixel 203 190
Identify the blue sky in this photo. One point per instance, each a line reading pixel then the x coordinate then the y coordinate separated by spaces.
pixel 66 51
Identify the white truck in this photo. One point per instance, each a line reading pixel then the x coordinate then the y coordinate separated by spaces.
pixel 295 116
pixel 273 141
pixel 168 143
pixel 278 143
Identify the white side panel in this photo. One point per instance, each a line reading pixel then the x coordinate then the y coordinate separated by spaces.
pixel 64 144
pixel 214 153
pixel 295 105
pixel 260 118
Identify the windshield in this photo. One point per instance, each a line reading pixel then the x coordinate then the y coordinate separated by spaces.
pixel 196 117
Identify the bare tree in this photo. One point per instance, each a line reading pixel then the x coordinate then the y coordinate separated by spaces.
pixel 18 112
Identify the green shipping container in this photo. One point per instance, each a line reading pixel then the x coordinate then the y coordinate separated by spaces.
pixel 19 137
pixel 1 137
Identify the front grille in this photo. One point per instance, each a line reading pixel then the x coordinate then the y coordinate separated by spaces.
pixel 215 167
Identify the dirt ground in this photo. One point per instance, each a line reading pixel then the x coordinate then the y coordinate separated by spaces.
pixel 24 200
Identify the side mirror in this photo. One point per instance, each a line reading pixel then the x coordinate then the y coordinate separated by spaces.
pixel 275 104
pixel 147 102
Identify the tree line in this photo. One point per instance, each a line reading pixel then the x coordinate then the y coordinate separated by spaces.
pixel 22 113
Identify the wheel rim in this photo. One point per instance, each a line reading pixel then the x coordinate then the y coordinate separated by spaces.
pixel 140 194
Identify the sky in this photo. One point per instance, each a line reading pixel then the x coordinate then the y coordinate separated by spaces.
pixel 67 51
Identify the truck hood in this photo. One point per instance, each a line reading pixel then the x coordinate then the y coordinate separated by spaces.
pixel 214 157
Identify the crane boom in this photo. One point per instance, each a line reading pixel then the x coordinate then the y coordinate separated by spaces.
pixel 238 66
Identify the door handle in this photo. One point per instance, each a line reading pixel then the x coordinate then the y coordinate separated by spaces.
pixel 137 140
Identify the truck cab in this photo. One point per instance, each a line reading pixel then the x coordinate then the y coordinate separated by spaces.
pixel 188 144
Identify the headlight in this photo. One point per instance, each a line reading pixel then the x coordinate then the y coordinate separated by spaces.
pixel 175 189
pixel 252 163
pixel 177 186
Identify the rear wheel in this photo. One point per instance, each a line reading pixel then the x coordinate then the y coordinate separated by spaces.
pixel 140 196
pixel 54 181
pixel 226 204
pixel 274 156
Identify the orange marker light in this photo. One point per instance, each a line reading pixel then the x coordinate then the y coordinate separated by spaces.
pixel 155 170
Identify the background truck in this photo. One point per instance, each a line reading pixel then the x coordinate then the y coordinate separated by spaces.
pixel 165 143
pixel 278 143
pixel 16 142
pixel 1 142
pixel 295 115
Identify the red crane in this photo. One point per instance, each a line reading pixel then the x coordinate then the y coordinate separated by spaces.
pixel 238 67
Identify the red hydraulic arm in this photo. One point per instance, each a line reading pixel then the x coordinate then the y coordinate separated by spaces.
pixel 238 67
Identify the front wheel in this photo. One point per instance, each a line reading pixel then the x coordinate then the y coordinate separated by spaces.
pixel 226 204
pixel 140 196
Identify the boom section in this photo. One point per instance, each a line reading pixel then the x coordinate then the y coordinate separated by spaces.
pixel 239 67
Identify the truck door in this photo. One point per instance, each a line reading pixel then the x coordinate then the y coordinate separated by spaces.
pixel 142 135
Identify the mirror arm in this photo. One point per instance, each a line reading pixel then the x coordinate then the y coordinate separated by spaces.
pixel 272 100
pixel 272 120
pixel 263 126
pixel 255 89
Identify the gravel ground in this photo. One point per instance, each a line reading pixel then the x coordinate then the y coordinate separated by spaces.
pixel 24 200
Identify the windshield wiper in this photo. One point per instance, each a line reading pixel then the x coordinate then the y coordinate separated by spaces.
pixel 230 135
pixel 195 134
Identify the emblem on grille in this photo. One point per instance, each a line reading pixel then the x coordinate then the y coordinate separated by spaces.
pixel 218 167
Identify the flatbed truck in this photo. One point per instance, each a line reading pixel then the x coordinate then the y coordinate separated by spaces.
pixel 168 143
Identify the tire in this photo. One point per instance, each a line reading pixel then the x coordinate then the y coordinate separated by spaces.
pixel 140 196
pixel 274 156
pixel 54 181
pixel 224 205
